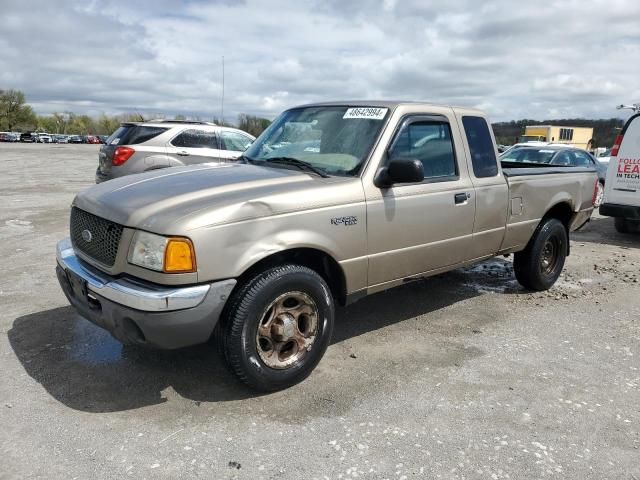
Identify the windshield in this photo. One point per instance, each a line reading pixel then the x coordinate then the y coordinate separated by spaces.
pixel 334 140
pixel 528 155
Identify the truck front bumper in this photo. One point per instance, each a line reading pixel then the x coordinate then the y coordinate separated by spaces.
pixel 140 312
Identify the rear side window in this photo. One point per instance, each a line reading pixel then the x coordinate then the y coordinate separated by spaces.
pixel 234 141
pixel 134 134
pixel 483 154
pixel 196 139
pixel 430 142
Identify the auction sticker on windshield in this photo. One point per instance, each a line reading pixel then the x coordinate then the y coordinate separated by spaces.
pixel 370 113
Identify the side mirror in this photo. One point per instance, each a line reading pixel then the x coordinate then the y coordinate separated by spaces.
pixel 399 170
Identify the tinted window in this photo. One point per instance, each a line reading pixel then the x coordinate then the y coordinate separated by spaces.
pixel 134 134
pixel 234 141
pixel 196 139
pixel 429 142
pixel 483 154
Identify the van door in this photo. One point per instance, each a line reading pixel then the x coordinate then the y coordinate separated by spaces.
pixel 417 228
pixel 622 185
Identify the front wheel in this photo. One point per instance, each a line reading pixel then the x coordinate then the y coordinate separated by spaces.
pixel 277 327
pixel 539 265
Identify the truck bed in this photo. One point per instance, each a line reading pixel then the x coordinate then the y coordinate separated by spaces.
pixel 516 169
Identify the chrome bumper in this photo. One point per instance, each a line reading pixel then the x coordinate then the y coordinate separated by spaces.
pixel 132 294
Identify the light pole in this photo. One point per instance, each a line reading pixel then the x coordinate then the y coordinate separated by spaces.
pixel 635 107
pixel 222 99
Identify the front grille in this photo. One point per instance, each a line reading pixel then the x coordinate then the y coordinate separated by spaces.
pixel 103 236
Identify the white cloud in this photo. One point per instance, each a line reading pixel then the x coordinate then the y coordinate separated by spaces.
pixel 571 59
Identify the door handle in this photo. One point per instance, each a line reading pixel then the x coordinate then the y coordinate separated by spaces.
pixel 461 198
pixel 182 153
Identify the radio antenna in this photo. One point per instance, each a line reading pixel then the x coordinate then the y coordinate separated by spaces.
pixel 222 100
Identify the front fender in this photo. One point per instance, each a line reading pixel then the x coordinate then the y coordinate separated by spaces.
pixel 227 251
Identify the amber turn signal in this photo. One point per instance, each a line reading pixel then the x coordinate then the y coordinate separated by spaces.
pixel 179 256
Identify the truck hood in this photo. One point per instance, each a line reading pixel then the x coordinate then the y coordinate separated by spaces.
pixel 175 200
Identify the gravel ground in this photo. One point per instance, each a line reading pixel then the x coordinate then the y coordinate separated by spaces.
pixel 463 375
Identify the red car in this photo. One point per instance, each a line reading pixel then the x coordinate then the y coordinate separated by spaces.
pixel 93 139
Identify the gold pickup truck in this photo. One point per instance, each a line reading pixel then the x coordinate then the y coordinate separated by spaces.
pixel 332 202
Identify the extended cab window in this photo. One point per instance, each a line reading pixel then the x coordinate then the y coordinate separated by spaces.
pixel 483 154
pixel 196 139
pixel 430 142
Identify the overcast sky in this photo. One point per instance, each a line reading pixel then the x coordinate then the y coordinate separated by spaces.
pixel 548 59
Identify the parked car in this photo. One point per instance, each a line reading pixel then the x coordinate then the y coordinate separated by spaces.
pixel 5 137
pixel 28 137
pixel 267 245
pixel 604 157
pixel 61 139
pixel 137 147
pixel 560 155
pixel 103 138
pixel 622 194
pixel 44 138
pixel 76 139
pixel 93 139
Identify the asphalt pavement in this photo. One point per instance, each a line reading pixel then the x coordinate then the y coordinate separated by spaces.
pixel 463 375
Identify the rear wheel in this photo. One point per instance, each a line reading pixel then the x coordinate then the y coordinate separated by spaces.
pixel 624 225
pixel 277 327
pixel 621 224
pixel 540 264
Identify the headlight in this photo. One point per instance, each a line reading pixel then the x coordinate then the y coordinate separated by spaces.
pixel 163 254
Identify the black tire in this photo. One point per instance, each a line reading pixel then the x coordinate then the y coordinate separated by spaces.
pixel 539 265
pixel 245 312
pixel 621 224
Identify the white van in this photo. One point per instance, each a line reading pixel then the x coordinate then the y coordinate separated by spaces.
pixel 622 187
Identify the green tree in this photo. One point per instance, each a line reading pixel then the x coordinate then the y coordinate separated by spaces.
pixel 107 125
pixel 252 124
pixel 14 112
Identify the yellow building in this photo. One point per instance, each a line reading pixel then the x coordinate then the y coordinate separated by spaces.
pixel 581 137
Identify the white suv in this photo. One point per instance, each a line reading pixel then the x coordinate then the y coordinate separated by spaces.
pixel 622 191
pixel 141 146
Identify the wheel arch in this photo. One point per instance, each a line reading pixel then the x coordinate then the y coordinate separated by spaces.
pixel 563 212
pixel 317 260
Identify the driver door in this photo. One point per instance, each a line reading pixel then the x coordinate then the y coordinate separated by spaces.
pixel 422 227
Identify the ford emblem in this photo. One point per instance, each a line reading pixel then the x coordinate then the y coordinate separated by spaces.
pixel 86 236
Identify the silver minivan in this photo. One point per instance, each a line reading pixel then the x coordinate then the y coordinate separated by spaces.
pixel 140 146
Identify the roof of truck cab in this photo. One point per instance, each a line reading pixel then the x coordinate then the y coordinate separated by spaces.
pixel 382 104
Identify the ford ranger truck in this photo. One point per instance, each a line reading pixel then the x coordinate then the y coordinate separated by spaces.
pixel 333 202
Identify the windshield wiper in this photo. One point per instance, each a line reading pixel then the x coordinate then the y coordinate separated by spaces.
pixel 301 164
